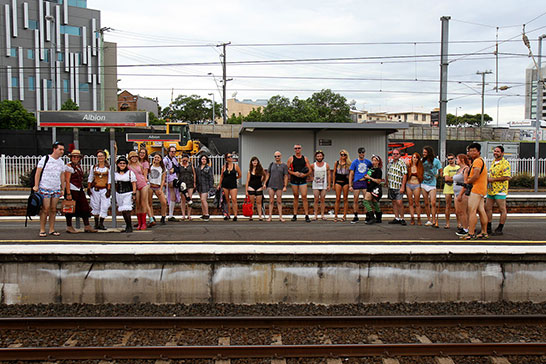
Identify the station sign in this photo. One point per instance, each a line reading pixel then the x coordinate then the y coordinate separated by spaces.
pixel 151 137
pixel 92 119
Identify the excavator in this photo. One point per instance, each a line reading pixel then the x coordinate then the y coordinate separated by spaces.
pixel 186 145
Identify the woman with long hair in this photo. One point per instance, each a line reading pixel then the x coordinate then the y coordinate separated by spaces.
pixel 156 177
pixel 431 168
pixel 341 182
pixel 126 190
pixel 205 183
pixel 144 161
pixel 413 186
pixel 255 185
pixel 461 199
pixel 228 182
pixel 99 189
pixel 187 175
pixel 374 191
pixel 142 204
pixel 74 191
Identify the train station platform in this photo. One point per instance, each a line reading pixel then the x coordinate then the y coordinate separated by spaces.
pixel 247 262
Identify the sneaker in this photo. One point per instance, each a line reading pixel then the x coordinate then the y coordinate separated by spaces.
pixel 206 217
pixel 428 223
pixel 355 220
pixel 394 221
pixel 234 218
pixel 294 218
pixel 162 222
pixel 403 222
pixel 460 232
pixel 307 218
pixel 172 219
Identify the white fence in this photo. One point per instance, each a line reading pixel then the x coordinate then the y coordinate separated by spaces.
pixel 12 167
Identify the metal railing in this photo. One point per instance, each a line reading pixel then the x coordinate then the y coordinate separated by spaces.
pixel 13 167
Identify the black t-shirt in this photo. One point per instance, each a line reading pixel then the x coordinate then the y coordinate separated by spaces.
pixel 375 173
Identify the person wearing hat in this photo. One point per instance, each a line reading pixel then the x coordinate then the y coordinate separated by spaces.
pixel 99 189
pixel 357 181
pixel 126 189
pixel 74 191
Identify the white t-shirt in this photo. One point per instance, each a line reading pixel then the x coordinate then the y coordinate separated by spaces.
pixel 51 174
pixel 155 175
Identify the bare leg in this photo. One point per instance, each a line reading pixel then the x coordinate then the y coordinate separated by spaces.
pixel 233 194
pixel 52 212
pixel 316 203
pixel 448 208
pixel 278 193
pixel 295 192
pixel 427 203
pixel 345 201
pixel 303 192
pixel 259 200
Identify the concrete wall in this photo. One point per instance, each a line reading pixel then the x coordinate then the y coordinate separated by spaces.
pixel 270 282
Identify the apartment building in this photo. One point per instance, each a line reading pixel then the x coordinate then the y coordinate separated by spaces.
pixel 531 93
pixel 53 50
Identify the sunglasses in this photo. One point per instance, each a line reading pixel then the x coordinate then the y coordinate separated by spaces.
pixel 277 156
pixel 343 154
pixel 297 147
pixel 228 156
pixel 451 159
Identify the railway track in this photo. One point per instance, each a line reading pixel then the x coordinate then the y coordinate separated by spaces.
pixel 279 330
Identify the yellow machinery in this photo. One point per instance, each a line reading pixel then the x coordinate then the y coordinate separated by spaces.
pixel 185 145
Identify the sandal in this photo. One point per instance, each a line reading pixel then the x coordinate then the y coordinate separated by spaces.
pixel 469 237
pixel 482 236
pixel 43 234
pixel 343 219
pixel 55 233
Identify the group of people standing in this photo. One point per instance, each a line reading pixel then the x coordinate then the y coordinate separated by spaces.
pixel 173 181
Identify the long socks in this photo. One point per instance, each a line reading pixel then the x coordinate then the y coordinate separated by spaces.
pixel 171 208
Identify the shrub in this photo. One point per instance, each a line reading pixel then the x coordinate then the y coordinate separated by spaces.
pixel 522 180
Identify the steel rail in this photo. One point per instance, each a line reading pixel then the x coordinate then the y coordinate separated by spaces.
pixel 269 351
pixel 23 323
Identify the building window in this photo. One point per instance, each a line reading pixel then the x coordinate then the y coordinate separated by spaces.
pixel 415 117
pixel 424 118
pixel 84 87
pixel 78 3
pixel 49 84
pixel 14 82
pixel 65 86
pixel 31 84
pixel 33 24
pixel 13 52
pixel 30 53
pixel 71 30
pixel 60 57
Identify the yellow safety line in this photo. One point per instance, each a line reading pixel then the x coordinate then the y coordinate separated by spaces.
pixel 291 242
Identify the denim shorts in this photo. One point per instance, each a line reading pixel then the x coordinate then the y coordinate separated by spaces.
pixel 50 193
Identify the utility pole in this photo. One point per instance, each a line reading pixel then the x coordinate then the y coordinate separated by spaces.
pixel 443 89
pixel 540 88
pixel 483 91
pixel 224 80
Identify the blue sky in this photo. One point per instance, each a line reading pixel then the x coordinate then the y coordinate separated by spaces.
pixel 391 63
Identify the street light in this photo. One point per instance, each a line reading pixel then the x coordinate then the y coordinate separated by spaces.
pixel 213 107
pixel 457 109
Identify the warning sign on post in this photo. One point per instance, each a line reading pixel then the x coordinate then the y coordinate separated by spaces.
pixel 93 119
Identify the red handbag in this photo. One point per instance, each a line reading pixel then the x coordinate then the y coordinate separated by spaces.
pixel 247 207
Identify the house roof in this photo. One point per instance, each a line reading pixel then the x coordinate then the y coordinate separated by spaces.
pixel 387 127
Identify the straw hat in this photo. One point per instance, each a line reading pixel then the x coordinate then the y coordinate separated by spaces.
pixel 76 153
pixel 133 154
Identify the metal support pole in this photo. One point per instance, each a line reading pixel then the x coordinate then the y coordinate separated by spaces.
pixel 482 122
pixel 443 89
pixel 112 174
pixel 224 81
pixel 540 86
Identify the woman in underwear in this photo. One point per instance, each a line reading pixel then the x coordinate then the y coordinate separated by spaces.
pixel 341 183
pixel 413 186
pixel 255 185
pixel 156 177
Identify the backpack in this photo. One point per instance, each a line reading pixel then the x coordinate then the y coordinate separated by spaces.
pixel 35 200
pixel 34 204
pixel 33 172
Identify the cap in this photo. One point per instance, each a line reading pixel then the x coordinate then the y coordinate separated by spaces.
pixel 122 159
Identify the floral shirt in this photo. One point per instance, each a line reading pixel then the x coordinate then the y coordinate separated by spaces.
pixel 499 169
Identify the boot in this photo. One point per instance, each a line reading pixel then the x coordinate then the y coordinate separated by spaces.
pixel 97 224
pixel 89 229
pixel 163 220
pixel 378 216
pixel 370 218
pixel 101 224
pixel 142 221
pixel 127 218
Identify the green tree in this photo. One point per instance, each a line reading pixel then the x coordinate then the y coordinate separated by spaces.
pixel 467 120
pixel 191 109
pixel 331 107
pixel 69 105
pixel 154 120
pixel 14 116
